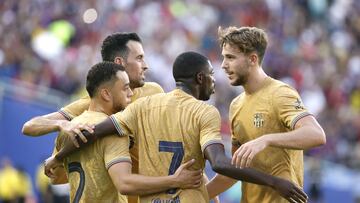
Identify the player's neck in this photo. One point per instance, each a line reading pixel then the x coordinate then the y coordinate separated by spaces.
pixel 188 88
pixel 99 107
pixel 255 81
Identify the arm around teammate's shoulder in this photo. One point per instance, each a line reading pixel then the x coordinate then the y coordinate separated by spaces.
pixel 135 184
pixel 53 122
pixel 102 129
pixel 218 185
pixel 41 125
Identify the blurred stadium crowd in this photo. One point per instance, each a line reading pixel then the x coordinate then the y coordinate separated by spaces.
pixel 314 46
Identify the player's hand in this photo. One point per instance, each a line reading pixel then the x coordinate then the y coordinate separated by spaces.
pixel 216 199
pixel 50 164
pixel 244 155
pixel 73 131
pixel 186 178
pixel 289 191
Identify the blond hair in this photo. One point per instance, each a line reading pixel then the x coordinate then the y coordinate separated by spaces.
pixel 246 39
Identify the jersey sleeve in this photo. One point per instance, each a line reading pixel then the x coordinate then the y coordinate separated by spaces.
pixel 59 142
pixel 210 127
pixel 156 88
pixel 115 150
pixel 56 146
pixel 289 106
pixel 125 121
pixel 75 108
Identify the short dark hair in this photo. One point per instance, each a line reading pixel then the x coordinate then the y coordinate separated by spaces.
pixel 188 64
pixel 101 73
pixel 115 45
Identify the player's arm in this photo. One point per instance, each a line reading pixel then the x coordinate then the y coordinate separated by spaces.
pixel 108 127
pixel 219 184
pixel 105 128
pixel 41 125
pixel 222 165
pixel 215 198
pixel 304 131
pixel 58 173
pixel 307 134
pixel 134 184
pixel 55 121
pixel 100 130
pixel 214 151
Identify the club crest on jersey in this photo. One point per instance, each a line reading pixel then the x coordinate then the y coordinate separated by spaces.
pixel 258 120
pixel 298 104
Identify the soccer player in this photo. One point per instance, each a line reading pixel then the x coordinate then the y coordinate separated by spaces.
pixel 175 127
pixel 98 172
pixel 269 124
pixel 122 48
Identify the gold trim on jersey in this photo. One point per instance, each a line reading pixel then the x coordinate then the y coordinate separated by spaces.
pixel 117 126
pixel 68 116
pixel 210 143
pixel 118 160
pixel 298 117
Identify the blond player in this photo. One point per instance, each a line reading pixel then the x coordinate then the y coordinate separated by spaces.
pixel 270 125
pixel 176 127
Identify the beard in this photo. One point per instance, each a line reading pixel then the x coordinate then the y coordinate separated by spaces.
pixel 206 94
pixel 204 97
pixel 241 79
pixel 118 108
pixel 136 83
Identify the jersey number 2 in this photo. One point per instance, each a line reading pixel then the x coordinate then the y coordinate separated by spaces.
pixel 178 150
pixel 76 167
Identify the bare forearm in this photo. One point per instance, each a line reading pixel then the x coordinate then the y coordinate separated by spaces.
pixel 222 165
pixel 143 185
pixel 40 126
pixel 218 185
pixel 303 138
pixel 102 129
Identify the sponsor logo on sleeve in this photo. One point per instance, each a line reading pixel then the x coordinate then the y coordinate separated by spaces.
pixel 298 104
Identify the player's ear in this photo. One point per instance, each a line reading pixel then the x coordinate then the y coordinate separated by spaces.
pixel 105 94
pixel 119 60
pixel 253 58
pixel 199 77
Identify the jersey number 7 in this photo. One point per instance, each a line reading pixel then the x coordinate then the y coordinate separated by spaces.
pixel 178 150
